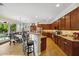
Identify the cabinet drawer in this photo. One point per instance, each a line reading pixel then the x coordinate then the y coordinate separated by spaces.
pixel 68 51
pixel 75 44
pixel 67 42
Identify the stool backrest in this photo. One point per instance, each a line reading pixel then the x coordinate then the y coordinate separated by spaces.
pixel 25 36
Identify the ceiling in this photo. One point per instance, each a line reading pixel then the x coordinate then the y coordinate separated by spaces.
pixel 33 12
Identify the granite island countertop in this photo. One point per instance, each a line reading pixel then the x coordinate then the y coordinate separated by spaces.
pixel 39 34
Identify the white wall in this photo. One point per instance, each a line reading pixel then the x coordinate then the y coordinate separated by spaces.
pixel 18 27
pixel 1 10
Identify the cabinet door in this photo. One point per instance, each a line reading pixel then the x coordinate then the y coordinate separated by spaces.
pixel 67 19
pixel 68 47
pixel 59 23
pixel 62 44
pixel 75 19
pixel 56 24
pixel 75 48
pixel 63 23
pixel 59 41
pixel 52 26
pixel 43 44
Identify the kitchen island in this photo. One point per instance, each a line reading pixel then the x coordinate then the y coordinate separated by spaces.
pixel 39 42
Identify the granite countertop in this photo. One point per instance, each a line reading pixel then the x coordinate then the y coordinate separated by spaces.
pixel 35 35
pixel 68 38
pixel 71 38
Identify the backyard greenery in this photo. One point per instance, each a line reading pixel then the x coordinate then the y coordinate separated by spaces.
pixel 4 27
pixel 1 27
pixel 13 27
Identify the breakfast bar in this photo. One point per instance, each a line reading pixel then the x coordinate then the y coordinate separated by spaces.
pixel 39 42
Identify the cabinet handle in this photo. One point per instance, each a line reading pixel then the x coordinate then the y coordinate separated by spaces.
pixel 65 43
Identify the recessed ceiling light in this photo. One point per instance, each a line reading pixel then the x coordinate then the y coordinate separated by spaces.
pixel 57 5
pixel 36 16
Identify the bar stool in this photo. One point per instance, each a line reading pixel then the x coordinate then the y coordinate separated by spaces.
pixel 29 46
pixel 12 40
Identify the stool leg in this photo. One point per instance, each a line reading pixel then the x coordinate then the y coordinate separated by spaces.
pixel 28 51
pixel 10 43
pixel 14 42
pixel 33 50
pixel 24 50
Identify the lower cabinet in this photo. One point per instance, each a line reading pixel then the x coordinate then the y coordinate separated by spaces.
pixel 75 49
pixel 43 44
pixel 47 34
pixel 67 47
pixel 71 48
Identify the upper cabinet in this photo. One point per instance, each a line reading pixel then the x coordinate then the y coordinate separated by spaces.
pixel 54 25
pixel 67 21
pixel 45 26
pixel 75 19
pixel 62 23
pixel 59 23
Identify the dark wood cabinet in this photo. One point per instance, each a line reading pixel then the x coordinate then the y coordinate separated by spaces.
pixel 59 42
pixel 45 26
pixel 71 48
pixel 67 22
pixel 59 24
pixel 56 25
pixel 52 26
pixel 67 47
pixel 74 19
pixel 44 34
pixel 43 43
pixel 47 34
pixel 56 39
pixel 75 49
